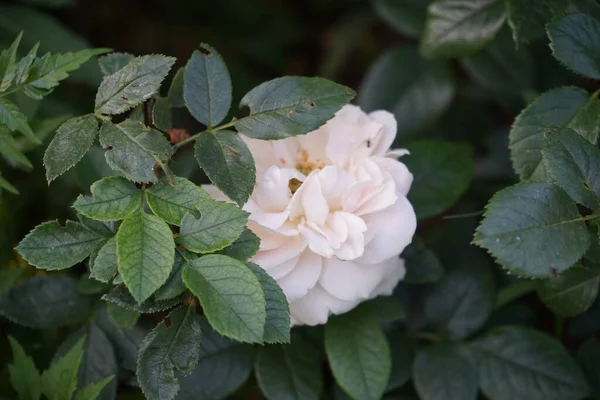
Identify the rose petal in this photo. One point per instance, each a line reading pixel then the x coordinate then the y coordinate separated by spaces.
pixel 349 280
pixel 303 277
pixel 401 175
pixel 388 133
pixel 316 306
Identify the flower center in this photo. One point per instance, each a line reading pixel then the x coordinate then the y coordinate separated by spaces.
pixel 304 166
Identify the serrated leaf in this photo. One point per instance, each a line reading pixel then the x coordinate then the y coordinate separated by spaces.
pixel 533 218
pixel 442 173
pixel 174 286
pixel 161 114
pixel 566 106
pixel 406 16
pixel 574 163
pixel 93 390
pixel 51 246
pixel 228 163
pixel 113 198
pixel 277 325
pixel 415 90
pixel 231 296
pixel 132 149
pixel 123 317
pixel 359 355
pixel 23 68
pixel 133 84
pixel 113 62
pixel 145 253
pixel 220 224
pixel 573 40
pixel 175 94
pixel 244 247
pixel 105 263
pixel 572 292
pixel 207 90
pixel 534 364
pixel 440 372
pixel 290 371
pixel 224 366
pixel 172 344
pixel 456 28
pixel 528 19
pixel 15 120
pixel 172 201
pixel 290 106
pixel 72 141
pixel 8 57
pixel 45 302
pixel 121 296
pixel 60 380
pixel 422 265
pixel 24 376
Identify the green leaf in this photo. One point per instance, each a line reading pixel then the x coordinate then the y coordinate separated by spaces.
pixel 442 173
pixel 574 163
pixel 277 325
pixel 161 114
pixel 72 141
pixel 121 296
pixel 359 355
pixel 533 218
pixel 172 344
pixel 456 28
pixel 244 247
pixel 415 90
pixel 122 317
pixel 175 95
pixel 4 184
pixel 231 296
pixel 44 302
pixel 528 19
pixel 93 390
pixel 406 16
pixel 24 376
pixel 534 366
pixel 8 277
pixel 113 198
pixel 383 309
pixel 422 265
pixel 207 90
pixel 145 253
pixel 60 380
pixel 8 58
pixel 87 285
pixel 51 246
pixel 574 42
pixel 220 224
pixel 113 62
pixel 105 263
pixel 228 163
pixel 132 149
pixel 172 201
pixel 133 84
pixel 402 349
pixel 566 106
pixel 23 67
pixel 290 371
pixel 174 286
pixel 290 106
pixel 10 150
pixel 588 357
pixel 440 372
pixel 224 366
pixel 572 292
pixel 15 120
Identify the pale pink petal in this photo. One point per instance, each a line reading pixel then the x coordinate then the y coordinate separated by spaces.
pixel 262 151
pixel 303 277
pixel 387 134
pixel 316 306
pixel 317 242
pixel 280 270
pixel 349 280
pixel 215 193
pixel 401 175
pixel 290 249
pixel 394 271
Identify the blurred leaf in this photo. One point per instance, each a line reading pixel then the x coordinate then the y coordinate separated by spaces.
pixel 415 90
pixel 588 357
pixel 86 285
pixel 51 246
pixel 572 292
pixel 175 95
pixel 574 163
pixel 24 376
pixel 231 296
pixel 132 149
pixel 244 246
pixel 145 253
pixel 534 364
pixel 566 106
pixel 422 265
pixel 456 28
pixel 172 201
pixel 528 19
pixel 290 106
pixel 359 355
pixel 13 119
pixel 10 150
pixel 8 277
pixel 277 325
pixel 290 371
pixel 122 317
pixel 228 163
pixel 161 114
pixel 403 353
pixel 174 286
pixel 60 380
pixel 219 225
pixel 71 142
pixel 406 16
pixel 223 367
pixel 442 173
pixel 132 84
pixel 93 390
pixel 113 62
pixel 573 40
pixel 4 184
pixel 105 262
pixel 121 296
pixel 173 344
pixel 383 309
pixel 442 373
pixel 207 88
pixel 113 198
pixel 533 218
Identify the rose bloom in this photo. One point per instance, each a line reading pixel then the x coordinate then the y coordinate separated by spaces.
pixel 331 212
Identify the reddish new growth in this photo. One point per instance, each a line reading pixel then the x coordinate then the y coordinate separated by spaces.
pixel 177 135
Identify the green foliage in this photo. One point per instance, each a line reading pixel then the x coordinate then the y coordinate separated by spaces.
pixel 171 201
pixel 24 376
pixel 527 19
pixel 406 16
pixel 422 265
pixel 112 199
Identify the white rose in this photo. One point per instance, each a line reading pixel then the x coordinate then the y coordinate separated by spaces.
pixel 331 211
